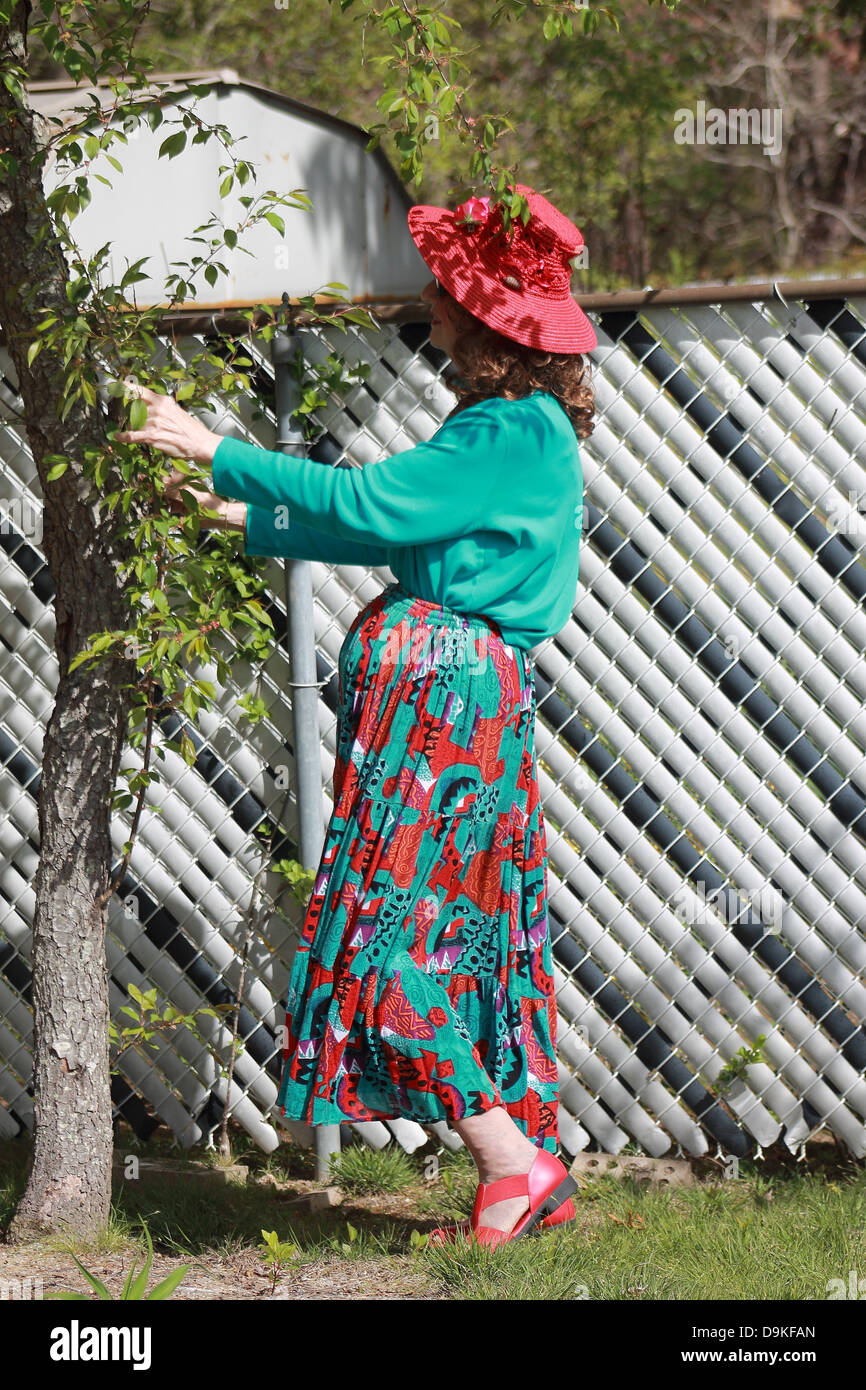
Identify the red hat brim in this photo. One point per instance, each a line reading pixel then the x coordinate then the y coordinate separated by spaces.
pixel 553 325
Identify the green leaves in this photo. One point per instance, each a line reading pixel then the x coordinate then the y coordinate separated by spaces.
pixel 735 1068
pixel 148 1022
pixel 92 1280
pixel 12 84
pixel 137 415
pixel 346 1247
pixel 173 145
pixel 274 1250
pixel 133 274
pixel 300 880
pixel 276 1253
pixel 135 1284
pixel 254 709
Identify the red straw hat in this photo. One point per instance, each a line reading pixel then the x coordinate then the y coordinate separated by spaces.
pixel 518 282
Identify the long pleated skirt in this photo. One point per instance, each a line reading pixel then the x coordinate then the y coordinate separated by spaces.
pixel 422 986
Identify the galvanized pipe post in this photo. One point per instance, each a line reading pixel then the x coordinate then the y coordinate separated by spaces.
pixel 302 669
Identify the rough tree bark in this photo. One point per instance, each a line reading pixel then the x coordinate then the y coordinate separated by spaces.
pixel 69 1182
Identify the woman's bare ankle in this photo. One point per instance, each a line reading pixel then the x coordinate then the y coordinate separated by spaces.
pixel 498 1146
pixel 506 1166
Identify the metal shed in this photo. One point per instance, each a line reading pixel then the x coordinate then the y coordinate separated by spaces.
pixel 356 234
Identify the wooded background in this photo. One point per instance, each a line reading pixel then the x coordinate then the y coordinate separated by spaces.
pixel 594 120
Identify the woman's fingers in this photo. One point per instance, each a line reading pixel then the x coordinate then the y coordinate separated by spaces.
pixel 171 429
pixel 176 482
pixel 164 419
pixel 135 388
pixel 170 485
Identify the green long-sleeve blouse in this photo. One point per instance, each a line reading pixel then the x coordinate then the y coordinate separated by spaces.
pixel 484 517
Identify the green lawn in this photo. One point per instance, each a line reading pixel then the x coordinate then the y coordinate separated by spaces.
pixel 773 1233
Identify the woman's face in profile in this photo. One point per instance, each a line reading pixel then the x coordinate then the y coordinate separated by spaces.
pixel 443 317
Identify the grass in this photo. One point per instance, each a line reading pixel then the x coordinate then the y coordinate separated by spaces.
pixel 744 1239
pixel 769 1234
pixel 360 1170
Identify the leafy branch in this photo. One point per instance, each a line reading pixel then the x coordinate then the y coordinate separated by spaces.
pixel 149 1023
pixel 432 83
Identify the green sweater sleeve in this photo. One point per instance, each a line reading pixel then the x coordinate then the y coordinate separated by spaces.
pixel 266 535
pixel 435 491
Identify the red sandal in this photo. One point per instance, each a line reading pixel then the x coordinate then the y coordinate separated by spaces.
pixel 549 1188
pixel 444 1235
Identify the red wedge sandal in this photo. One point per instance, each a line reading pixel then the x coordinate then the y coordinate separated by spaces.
pixel 549 1189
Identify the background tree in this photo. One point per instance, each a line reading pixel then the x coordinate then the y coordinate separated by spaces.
pixel 72 1142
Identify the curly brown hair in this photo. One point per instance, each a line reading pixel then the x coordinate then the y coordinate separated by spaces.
pixel 489 364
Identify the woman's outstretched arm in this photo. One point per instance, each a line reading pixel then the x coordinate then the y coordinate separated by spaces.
pixel 435 491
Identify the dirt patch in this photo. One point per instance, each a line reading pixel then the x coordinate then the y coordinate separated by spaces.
pixel 242 1276
pixel 242 1273
pixel 359 1279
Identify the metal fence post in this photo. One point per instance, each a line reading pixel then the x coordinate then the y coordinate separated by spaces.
pixel 302 666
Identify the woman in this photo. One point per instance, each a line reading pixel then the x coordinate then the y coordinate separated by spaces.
pixel 423 983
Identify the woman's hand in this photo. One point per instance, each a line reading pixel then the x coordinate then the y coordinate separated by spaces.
pixel 177 480
pixel 232 515
pixel 171 429
pixel 175 432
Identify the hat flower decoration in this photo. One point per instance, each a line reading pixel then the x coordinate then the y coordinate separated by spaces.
pixel 472 212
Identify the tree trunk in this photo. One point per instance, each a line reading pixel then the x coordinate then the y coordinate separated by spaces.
pixel 69 1182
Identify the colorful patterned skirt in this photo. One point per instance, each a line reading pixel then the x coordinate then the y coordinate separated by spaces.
pixel 422 986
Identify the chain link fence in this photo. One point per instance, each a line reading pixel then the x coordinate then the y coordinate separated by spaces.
pixel 700 743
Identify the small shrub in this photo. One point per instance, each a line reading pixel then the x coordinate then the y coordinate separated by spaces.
pixel 278 1254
